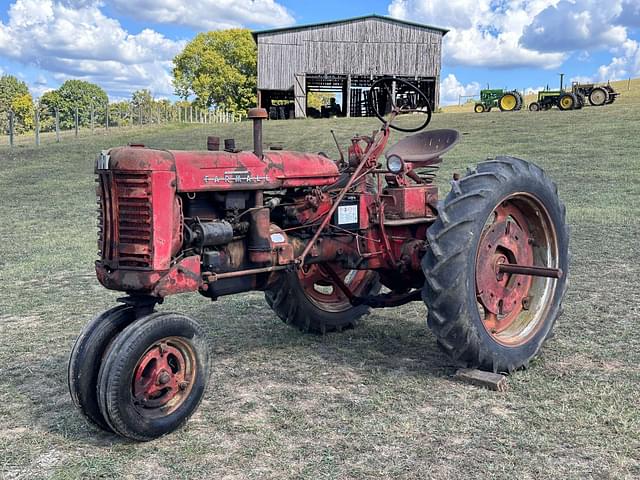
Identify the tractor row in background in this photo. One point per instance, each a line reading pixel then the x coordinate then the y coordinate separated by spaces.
pixel 506 101
pixel 576 98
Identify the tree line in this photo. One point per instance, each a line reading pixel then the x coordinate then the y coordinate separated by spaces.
pixel 215 70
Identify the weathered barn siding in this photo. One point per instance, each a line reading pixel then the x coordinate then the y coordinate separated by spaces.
pixel 366 46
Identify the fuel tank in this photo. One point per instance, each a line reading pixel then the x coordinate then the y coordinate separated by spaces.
pixel 210 171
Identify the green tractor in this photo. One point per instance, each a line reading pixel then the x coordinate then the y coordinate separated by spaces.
pixel 506 101
pixel 557 98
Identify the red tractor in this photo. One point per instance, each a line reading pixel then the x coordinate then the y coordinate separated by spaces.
pixel 320 238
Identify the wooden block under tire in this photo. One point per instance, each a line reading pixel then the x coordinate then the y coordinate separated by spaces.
pixel 492 381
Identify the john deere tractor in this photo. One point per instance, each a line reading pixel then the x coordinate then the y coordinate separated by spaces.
pixel 506 101
pixel 557 98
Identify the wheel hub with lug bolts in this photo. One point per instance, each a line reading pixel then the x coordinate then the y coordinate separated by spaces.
pixel 505 241
pixel 159 376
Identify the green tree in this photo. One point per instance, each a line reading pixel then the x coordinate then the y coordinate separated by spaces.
pixel 218 68
pixel 120 113
pixel 319 99
pixel 22 107
pixel 11 88
pixel 78 94
pixel 143 104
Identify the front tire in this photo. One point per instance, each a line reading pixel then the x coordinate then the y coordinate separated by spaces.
pixel 86 357
pixel 310 301
pixel 153 376
pixel 507 211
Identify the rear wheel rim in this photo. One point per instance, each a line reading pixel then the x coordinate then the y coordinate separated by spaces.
pixel 598 97
pixel 566 102
pixel 321 290
pixel 163 377
pixel 513 308
pixel 508 102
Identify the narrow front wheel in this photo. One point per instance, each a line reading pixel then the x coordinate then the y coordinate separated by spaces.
pixel 154 376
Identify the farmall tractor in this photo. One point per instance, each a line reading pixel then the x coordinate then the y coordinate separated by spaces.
pixel 320 238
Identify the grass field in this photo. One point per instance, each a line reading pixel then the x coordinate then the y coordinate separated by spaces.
pixel 374 402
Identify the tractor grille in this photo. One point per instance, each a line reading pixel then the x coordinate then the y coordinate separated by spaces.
pixel 124 219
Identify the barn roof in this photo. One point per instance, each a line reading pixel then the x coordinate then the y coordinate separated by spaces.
pixel 347 20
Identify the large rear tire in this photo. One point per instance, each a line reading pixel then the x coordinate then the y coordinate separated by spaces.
pixel 509 102
pixel 310 301
pixel 86 358
pixel 519 99
pixel 507 211
pixel 598 97
pixel 567 101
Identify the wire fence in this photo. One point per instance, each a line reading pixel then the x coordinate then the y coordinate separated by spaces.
pixel 56 124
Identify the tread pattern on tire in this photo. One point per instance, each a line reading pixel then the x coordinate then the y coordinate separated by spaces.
pixel 287 299
pixel 445 263
pixel 82 372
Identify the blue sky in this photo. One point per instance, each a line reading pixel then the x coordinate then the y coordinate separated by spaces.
pixel 124 45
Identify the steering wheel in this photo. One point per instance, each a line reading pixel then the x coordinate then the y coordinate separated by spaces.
pixel 407 99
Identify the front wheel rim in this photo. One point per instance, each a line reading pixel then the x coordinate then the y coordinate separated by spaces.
pixel 513 308
pixel 163 377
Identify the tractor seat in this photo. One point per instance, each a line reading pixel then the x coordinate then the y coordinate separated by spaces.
pixel 425 147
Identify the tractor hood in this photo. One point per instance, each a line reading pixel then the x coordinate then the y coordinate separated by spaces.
pixel 206 171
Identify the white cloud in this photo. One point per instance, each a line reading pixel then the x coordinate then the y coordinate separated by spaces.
pixel 451 89
pixel 74 39
pixel 207 14
pixel 575 25
pixel 524 33
pixel 626 65
pixel 484 33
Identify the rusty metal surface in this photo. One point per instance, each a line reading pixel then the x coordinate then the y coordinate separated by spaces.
pixel 506 240
pixel 181 278
pixel 412 201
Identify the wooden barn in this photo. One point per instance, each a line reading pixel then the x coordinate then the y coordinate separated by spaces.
pixel 344 57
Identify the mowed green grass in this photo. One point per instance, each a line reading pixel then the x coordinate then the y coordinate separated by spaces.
pixel 377 401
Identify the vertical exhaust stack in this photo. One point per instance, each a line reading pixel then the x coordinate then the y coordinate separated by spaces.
pixel 257 115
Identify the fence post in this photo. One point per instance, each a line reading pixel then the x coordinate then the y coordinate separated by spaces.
pixel 107 116
pixel 37 125
pixel 57 125
pixel 76 121
pixel 92 118
pixel 11 122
